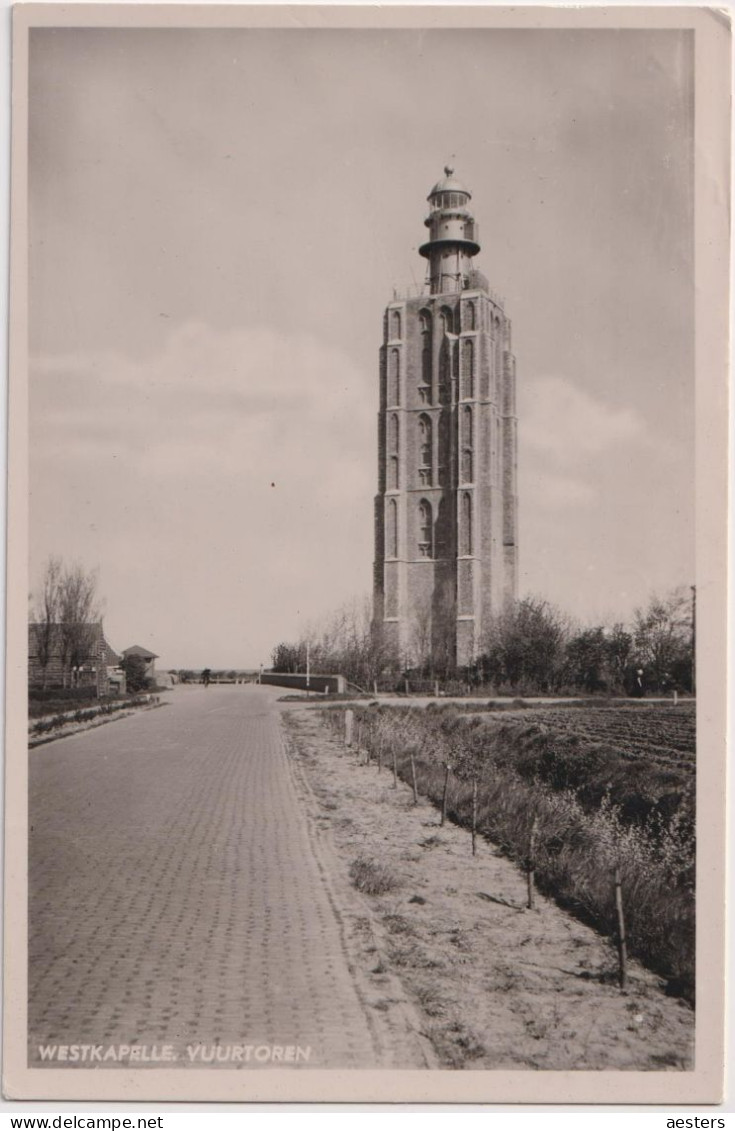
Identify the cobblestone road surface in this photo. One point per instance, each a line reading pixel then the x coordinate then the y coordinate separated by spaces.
pixel 174 896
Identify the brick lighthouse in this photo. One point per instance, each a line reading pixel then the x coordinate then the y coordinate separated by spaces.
pixel 446 509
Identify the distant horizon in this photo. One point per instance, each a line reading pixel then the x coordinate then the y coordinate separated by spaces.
pixel 217 219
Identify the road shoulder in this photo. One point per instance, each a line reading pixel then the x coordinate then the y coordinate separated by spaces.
pixel 396 1024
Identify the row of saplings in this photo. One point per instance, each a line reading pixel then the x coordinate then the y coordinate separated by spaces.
pixel 632 879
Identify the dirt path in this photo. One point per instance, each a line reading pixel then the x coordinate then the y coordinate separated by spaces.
pixel 495 985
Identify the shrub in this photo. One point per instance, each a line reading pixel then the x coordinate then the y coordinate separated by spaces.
pixel 135 673
pixel 370 877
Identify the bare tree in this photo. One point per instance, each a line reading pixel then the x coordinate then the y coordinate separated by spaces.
pixel 420 632
pixel 80 612
pixel 286 657
pixel 663 638
pixel 345 641
pixel 378 654
pixel 46 613
pixel 444 631
pixel 619 650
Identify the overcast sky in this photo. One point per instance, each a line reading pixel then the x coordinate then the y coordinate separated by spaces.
pixel 217 222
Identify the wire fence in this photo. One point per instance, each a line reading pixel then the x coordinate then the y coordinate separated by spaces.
pixel 635 887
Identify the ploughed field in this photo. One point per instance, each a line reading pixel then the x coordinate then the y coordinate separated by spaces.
pixel 665 735
pixel 638 757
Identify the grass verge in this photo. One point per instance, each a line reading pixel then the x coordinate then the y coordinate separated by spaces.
pixel 582 833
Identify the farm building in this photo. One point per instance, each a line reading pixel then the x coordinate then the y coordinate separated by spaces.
pixel 77 655
pixel 149 658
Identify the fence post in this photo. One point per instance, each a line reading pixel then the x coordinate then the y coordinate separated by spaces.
pixel 380 756
pixel 395 769
pixel 436 688
pixel 447 772
pixel 474 816
pixel 349 721
pixel 413 779
pixel 622 943
pixel 407 688
pixel 676 698
pixel 532 862
pixel 375 688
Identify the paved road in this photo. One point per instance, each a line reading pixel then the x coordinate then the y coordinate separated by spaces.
pixel 174 896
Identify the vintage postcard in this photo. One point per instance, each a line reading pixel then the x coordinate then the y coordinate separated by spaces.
pixel 366 574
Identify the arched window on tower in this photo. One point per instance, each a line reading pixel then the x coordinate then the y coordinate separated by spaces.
pixel 466 531
pixel 394 377
pixel 447 320
pixel 426 532
pixel 467 446
pixel 470 316
pixel 395 325
pixel 392 531
pixel 393 453
pixel 468 368
pixel 425 451
pixel 425 329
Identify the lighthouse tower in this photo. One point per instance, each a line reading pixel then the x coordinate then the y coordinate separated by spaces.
pixel 446 509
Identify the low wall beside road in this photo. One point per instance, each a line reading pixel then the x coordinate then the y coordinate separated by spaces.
pixel 333 683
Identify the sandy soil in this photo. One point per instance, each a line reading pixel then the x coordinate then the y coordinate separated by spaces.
pixel 488 983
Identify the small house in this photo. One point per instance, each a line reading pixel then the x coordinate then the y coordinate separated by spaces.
pixel 149 659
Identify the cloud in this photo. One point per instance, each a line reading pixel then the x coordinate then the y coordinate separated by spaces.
pixel 568 442
pixel 210 403
pixel 569 425
pixel 225 482
pixel 559 491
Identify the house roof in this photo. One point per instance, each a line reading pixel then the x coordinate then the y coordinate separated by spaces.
pixel 97 642
pixel 136 650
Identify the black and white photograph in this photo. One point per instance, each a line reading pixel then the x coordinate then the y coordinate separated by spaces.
pixel 367 535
